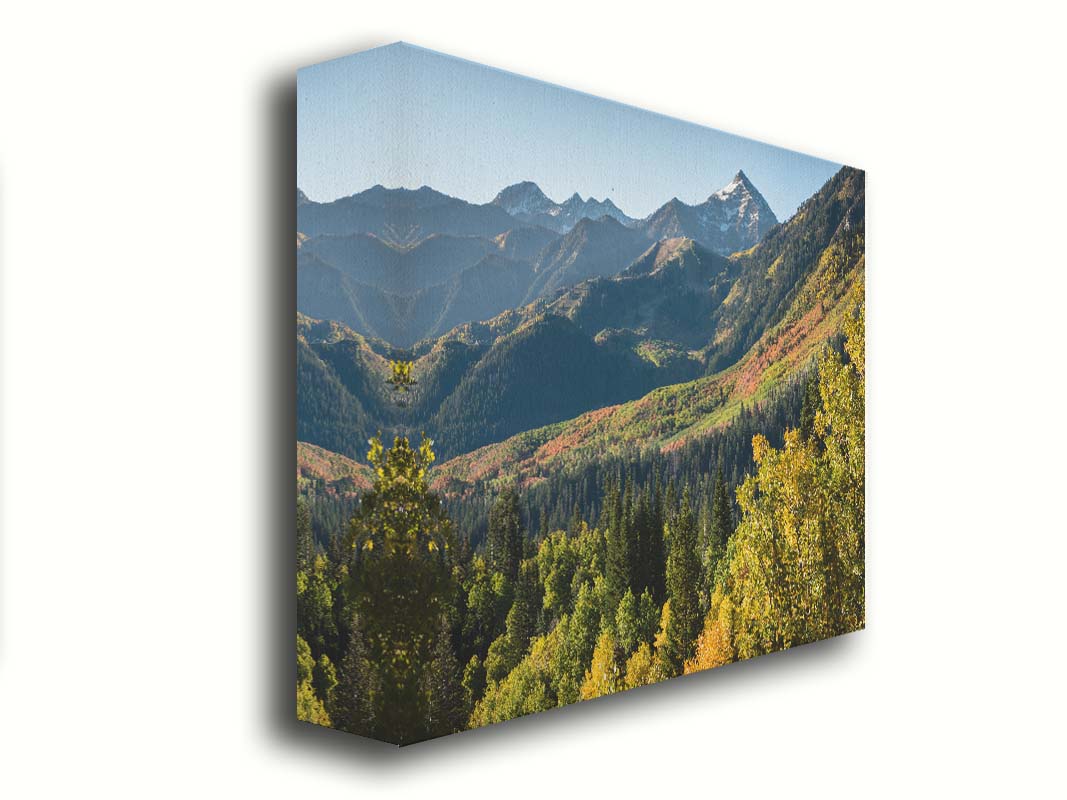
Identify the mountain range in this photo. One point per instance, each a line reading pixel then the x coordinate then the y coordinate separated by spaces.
pixel 662 346
pixel 404 265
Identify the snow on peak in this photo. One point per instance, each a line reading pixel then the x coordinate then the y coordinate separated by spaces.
pixel 740 183
pixel 523 198
pixel 529 204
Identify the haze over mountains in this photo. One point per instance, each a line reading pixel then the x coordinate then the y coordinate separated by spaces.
pixel 403 265
pixel 603 316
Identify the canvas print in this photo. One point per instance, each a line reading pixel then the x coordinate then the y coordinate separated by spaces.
pixel 580 396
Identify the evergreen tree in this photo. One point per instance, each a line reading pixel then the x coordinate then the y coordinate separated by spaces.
pixel 641 524
pixel 810 407
pixel 720 528
pixel 634 572
pixel 656 556
pixel 520 626
pixel 628 630
pixel 722 524
pixel 618 566
pixel 704 523
pixel 670 503
pixel 354 696
pixel 505 538
pixel 447 710
pixel 576 651
pixel 683 582
pixel 315 591
pixel 575 524
pixel 324 678
pixel 648 614
pixel 305 541
pixel 474 681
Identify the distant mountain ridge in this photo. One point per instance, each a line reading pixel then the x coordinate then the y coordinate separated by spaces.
pixel 408 264
pixel 400 217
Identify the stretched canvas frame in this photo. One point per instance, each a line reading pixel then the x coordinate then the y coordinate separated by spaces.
pixel 554 450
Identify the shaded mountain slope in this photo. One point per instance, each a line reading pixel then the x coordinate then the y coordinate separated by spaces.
pixel 366 259
pixel 340 387
pixel 401 216
pixel 544 371
pixel 524 244
pixel 592 248
pixel 480 292
pixel 669 294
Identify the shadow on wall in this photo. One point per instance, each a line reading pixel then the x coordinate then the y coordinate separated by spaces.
pixel 278 587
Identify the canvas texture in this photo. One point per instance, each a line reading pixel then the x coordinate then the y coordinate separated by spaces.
pixel 552 447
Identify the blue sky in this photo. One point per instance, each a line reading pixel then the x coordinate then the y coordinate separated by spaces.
pixel 401 115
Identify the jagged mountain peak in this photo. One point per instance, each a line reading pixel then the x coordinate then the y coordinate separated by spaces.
pixel 527 203
pixel 521 193
pixel 739 183
pixel 733 218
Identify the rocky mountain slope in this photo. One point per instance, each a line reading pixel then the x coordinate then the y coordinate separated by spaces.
pixel 732 219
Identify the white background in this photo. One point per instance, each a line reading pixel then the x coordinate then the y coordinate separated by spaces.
pixel 145 202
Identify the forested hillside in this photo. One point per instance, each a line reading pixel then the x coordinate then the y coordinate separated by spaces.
pixel 666 418
pixel 649 472
pixel 668 580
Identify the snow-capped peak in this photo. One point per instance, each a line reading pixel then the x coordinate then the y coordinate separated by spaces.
pixel 525 197
pixel 740 182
